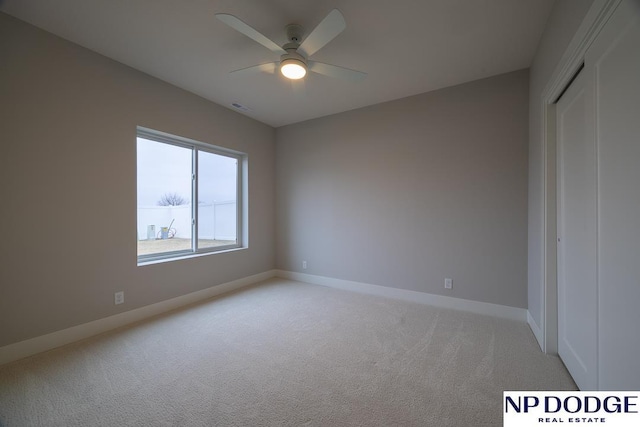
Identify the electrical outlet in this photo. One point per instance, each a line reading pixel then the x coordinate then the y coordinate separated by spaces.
pixel 448 283
pixel 304 265
pixel 119 297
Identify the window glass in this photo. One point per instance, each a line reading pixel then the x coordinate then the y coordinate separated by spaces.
pixel 217 200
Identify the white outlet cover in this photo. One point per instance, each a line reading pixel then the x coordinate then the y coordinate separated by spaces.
pixel 119 297
pixel 448 283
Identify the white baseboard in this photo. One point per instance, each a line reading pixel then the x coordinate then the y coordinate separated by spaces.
pixel 25 348
pixel 50 341
pixel 537 332
pixel 496 310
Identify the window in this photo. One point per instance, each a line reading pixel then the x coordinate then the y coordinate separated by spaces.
pixel 189 196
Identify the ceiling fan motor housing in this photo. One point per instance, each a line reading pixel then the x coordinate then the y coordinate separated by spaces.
pixel 292 55
pixel 294 35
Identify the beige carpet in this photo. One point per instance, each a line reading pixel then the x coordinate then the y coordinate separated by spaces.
pixel 285 354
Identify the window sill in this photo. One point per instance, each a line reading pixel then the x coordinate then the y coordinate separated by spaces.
pixel 187 256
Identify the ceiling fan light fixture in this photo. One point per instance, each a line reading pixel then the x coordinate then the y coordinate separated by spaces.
pixel 293 69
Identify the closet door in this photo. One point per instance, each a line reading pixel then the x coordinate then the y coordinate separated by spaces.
pixel 614 64
pixel 598 143
pixel 576 204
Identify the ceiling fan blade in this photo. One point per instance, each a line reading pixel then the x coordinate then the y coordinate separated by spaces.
pixel 332 25
pixel 269 67
pixel 250 32
pixel 335 71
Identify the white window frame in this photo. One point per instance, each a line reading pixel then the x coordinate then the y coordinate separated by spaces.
pixel 195 147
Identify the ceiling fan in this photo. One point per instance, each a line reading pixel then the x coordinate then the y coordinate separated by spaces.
pixel 294 62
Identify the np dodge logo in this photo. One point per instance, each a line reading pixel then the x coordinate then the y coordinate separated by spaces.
pixel 533 408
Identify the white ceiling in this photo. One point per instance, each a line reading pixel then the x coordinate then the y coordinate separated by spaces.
pixel 406 46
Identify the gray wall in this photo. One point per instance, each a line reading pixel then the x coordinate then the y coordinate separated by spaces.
pixel 68 121
pixel 566 17
pixel 406 193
